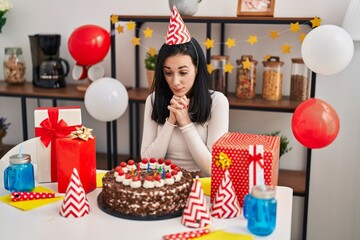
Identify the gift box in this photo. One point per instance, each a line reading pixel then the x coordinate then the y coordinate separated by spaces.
pixel 250 159
pixel 79 154
pixel 52 123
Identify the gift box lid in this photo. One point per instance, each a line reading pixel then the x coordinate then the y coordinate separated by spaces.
pixel 243 140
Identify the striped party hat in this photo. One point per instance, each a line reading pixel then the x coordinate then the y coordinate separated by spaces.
pixel 177 31
pixel 75 203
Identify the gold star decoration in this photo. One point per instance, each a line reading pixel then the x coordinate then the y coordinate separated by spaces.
pixel 294 27
pixel 252 39
pixel 274 34
pixel 152 52
pixel 131 25
pixel 286 48
pixel 265 58
pixel 228 67
pixel 120 29
pixel 135 41
pixel 247 64
pixel 302 37
pixel 210 68
pixel 114 19
pixel 230 42
pixel 148 32
pixel 315 22
pixel 209 43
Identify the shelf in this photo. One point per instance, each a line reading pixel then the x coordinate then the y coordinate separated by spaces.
pixel 284 105
pixel 4 149
pixel 293 179
pixel 30 91
pixel 215 19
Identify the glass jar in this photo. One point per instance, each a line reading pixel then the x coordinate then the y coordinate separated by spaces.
pixel 272 79
pixel 219 78
pixel 19 176
pixel 246 77
pixel 300 80
pixel 14 66
pixel 260 210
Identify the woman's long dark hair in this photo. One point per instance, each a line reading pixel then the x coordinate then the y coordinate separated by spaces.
pixel 200 104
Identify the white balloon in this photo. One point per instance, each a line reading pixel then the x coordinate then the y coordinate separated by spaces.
pixel 106 99
pixel 327 49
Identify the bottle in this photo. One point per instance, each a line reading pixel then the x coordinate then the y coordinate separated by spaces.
pixel 14 66
pixel 219 78
pixel 19 175
pixel 272 79
pixel 246 77
pixel 260 210
pixel 300 80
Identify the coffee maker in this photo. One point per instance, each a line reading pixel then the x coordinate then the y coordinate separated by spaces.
pixel 49 70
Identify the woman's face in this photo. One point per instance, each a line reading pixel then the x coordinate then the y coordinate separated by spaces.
pixel 179 72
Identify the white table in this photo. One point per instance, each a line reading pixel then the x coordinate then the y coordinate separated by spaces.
pixel 46 223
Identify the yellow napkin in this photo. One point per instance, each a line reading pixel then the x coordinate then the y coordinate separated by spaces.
pixel 225 235
pixel 99 177
pixel 206 185
pixel 31 204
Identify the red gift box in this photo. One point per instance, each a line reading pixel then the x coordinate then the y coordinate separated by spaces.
pixel 52 123
pixel 79 154
pixel 249 159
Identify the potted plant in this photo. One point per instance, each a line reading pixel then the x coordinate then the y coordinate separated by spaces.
pixel 3 127
pixel 150 63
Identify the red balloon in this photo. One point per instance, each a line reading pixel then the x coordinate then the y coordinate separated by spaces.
pixel 89 44
pixel 315 124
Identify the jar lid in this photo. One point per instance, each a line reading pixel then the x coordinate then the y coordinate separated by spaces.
pixel 13 50
pixel 267 193
pixel 297 60
pixel 244 58
pixel 273 61
pixel 20 159
pixel 219 57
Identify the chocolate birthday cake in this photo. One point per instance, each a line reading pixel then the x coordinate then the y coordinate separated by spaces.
pixel 149 188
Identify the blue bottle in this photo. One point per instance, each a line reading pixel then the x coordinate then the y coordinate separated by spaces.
pixel 19 175
pixel 260 210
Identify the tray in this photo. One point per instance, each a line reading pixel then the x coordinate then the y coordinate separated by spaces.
pixel 107 210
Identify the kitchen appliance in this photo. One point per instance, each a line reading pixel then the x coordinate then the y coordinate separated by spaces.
pixel 49 70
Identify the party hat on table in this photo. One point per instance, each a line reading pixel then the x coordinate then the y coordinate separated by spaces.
pixel 75 203
pixel 177 31
pixel 196 213
pixel 226 203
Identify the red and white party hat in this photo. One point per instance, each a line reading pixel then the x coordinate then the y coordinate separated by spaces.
pixel 196 213
pixel 177 31
pixel 75 203
pixel 226 203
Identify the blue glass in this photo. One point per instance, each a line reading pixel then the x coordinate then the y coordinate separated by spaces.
pixel 260 210
pixel 19 175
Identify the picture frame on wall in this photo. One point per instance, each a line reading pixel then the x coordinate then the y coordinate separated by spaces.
pixel 260 8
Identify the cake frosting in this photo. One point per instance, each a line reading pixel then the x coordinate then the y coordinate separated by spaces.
pixel 152 187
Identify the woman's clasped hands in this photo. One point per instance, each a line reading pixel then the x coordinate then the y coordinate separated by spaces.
pixel 179 111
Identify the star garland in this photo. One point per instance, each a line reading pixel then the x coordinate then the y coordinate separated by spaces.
pixel 231 42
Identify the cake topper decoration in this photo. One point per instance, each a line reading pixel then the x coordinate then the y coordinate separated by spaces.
pixel 75 203
pixel 226 203
pixel 177 31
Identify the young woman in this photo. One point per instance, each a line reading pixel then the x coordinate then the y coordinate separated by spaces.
pixel 183 118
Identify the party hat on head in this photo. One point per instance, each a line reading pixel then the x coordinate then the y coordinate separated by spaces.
pixel 226 204
pixel 196 213
pixel 75 203
pixel 177 31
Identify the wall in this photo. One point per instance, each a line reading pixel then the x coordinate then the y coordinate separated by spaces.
pixel 334 211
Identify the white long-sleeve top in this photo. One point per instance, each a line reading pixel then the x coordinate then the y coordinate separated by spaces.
pixel 189 146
